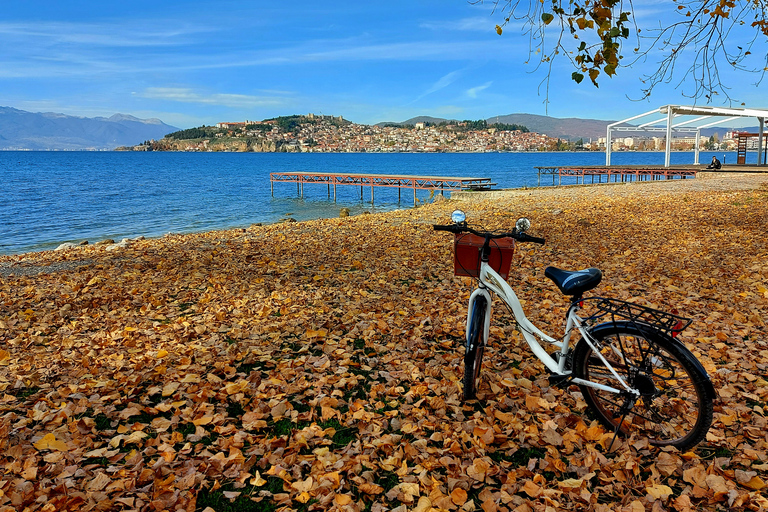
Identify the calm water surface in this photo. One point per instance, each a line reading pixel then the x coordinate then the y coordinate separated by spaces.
pixel 49 198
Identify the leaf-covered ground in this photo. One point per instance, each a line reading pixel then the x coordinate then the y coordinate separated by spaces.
pixel 317 365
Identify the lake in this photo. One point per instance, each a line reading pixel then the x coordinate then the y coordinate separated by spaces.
pixel 53 197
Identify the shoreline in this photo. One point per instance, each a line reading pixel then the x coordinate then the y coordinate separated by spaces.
pixel 714 181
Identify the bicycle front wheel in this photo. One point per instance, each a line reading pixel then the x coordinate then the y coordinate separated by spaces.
pixel 473 357
pixel 675 403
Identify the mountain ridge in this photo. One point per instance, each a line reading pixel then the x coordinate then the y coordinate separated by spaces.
pixel 571 128
pixel 568 128
pixel 22 130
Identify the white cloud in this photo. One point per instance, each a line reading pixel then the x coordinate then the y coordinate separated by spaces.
pixel 472 93
pixel 444 82
pixel 135 34
pixel 474 24
pixel 185 95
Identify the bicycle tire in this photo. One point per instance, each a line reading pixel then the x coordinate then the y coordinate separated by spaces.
pixel 675 406
pixel 473 356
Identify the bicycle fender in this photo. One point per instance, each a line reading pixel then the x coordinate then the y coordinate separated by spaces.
pixel 483 297
pixel 663 339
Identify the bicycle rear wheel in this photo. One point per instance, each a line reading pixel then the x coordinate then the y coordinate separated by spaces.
pixel 675 403
pixel 473 357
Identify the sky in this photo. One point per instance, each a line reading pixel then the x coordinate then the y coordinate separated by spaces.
pixel 196 63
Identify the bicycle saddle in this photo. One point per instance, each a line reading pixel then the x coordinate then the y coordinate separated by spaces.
pixel 574 282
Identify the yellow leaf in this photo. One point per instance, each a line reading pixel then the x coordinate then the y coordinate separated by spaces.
pixel 170 388
pixel 205 420
pixel 423 505
pixel 236 387
pixel 303 485
pixel 570 483
pixel 135 437
pixel 257 480
pixel 49 442
pixel 161 353
pixel 343 499
pixel 659 491
pixel 755 483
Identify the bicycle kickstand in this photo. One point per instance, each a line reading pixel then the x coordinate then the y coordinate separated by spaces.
pixel 629 404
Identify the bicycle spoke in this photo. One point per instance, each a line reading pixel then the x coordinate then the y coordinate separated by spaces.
pixel 670 408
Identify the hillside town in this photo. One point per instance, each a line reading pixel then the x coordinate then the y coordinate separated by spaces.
pixel 326 134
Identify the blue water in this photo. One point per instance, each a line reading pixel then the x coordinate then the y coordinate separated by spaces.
pixel 47 198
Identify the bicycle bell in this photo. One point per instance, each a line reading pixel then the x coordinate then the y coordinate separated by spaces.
pixel 522 225
pixel 459 216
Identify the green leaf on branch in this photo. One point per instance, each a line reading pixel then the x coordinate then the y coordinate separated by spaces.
pixel 593 73
pixel 547 18
pixel 577 77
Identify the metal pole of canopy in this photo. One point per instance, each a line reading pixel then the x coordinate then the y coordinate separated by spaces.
pixel 668 148
pixel 696 148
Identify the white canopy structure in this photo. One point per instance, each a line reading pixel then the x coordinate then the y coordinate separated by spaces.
pixel 701 115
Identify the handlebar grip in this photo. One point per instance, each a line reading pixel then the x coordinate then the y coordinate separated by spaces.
pixel 522 237
pixel 453 228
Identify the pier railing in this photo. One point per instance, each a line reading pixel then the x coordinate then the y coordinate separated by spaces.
pixel 617 173
pixel 436 183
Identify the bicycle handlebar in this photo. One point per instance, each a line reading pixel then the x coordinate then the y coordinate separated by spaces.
pixel 463 228
pixel 522 237
pixel 453 228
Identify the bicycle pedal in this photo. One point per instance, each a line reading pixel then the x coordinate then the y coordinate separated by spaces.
pixel 559 381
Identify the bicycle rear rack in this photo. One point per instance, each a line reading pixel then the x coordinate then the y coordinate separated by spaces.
pixel 611 309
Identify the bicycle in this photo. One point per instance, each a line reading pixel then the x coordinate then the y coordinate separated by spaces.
pixel 633 372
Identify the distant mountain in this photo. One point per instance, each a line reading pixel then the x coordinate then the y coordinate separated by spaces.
pixel 414 120
pixel 570 128
pixel 50 131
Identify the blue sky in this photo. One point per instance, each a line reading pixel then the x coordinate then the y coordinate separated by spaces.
pixel 192 63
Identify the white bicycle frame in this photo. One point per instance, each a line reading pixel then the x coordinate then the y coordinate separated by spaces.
pixel 491 280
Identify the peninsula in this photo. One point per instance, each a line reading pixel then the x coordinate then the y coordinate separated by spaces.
pixel 326 134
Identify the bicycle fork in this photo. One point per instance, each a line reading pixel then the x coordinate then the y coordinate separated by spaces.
pixel 479 298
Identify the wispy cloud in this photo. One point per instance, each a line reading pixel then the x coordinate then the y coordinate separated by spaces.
pixel 414 50
pixel 186 95
pixel 129 34
pixel 444 81
pixel 473 24
pixel 472 93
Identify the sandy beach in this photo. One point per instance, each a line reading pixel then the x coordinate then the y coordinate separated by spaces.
pixel 317 365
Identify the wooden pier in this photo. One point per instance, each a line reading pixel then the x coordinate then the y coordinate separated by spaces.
pixel 436 183
pixel 614 173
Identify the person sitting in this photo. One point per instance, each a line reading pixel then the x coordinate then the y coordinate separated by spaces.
pixel 715 163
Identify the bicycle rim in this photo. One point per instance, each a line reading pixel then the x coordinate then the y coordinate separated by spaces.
pixel 675 406
pixel 473 357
